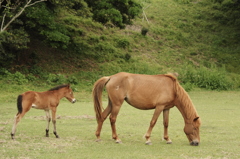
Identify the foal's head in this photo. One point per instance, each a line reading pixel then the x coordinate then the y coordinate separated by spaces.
pixel 69 94
pixel 192 131
pixel 66 91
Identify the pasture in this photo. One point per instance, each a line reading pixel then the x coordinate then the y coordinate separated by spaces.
pixel 76 126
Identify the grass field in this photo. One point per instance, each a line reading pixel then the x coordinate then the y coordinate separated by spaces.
pixel 76 125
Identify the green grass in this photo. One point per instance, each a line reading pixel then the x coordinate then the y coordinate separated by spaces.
pixel 76 127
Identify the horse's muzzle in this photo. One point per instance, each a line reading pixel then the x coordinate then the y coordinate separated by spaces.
pixel 74 100
pixel 194 143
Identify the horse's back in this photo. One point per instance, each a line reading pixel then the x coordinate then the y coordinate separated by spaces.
pixel 142 91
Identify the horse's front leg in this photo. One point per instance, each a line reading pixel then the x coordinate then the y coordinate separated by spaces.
pixel 156 114
pixel 165 124
pixel 54 110
pixel 48 122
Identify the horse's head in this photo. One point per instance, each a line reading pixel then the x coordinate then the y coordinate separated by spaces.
pixel 192 131
pixel 69 94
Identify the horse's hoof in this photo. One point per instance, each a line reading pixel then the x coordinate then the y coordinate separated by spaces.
pixel 98 140
pixel 118 141
pixel 169 142
pixel 148 143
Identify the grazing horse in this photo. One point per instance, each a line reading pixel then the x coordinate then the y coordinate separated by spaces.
pixel 47 100
pixel 159 92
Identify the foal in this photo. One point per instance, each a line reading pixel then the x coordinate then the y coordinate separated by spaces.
pixel 47 100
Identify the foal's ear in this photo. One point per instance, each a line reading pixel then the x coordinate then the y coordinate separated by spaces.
pixel 195 119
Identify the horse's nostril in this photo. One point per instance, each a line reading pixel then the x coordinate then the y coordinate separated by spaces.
pixel 194 143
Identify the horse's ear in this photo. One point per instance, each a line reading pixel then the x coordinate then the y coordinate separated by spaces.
pixel 195 119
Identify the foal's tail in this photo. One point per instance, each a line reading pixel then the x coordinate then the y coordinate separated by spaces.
pixel 19 104
pixel 97 96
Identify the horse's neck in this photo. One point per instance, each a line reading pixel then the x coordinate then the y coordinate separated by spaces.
pixel 187 110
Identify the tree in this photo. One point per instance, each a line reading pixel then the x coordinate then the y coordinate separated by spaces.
pixel 116 12
pixel 12 10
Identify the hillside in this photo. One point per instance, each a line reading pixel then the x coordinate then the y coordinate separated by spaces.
pixel 181 37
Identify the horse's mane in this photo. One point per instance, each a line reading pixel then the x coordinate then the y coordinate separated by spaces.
pixel 58 87
pixel 183 97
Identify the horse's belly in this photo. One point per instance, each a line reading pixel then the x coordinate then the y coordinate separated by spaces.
pixel 141 103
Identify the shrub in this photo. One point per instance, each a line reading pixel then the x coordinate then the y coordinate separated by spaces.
pixel 123 43
pixel 210 78
pixel 17 78
pixel 144 31
pixel 72 80
pixel 56 78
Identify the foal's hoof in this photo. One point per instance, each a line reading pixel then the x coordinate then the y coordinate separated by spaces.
pixel 12 136
pixel 118 141
pixel 98 140
pixel 148 143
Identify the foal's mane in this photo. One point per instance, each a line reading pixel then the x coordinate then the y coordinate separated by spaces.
pixel 58 87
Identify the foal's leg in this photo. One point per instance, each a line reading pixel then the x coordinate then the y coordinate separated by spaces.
pixel 54 109
pixel 17 119
pixel 105 113
pixel 48 122
pixel 156 114
pixel 165 124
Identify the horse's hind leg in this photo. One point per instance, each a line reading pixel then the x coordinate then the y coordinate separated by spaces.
pixel 105 113
pixel 113 118
pixel 156 114
pixel 48 122
pixel 165 124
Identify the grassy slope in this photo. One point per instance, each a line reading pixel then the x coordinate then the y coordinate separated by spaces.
pixel 180 34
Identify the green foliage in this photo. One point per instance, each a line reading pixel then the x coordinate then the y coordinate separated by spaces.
pixel 118 12
pixel 12 42
pixel 210 78
pixel 42 19
pixel 16 78
pixel 144 31
pixel 123 43
pixel 60 79
pixel 56 78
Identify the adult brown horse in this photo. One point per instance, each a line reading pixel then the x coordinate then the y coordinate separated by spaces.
pixel 47 100
pixel 159 92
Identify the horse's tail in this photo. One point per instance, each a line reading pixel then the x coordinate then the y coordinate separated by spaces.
pixel 19 104
pixel 97 96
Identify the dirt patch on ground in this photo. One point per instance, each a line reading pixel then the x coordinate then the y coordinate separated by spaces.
pixel 64 117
